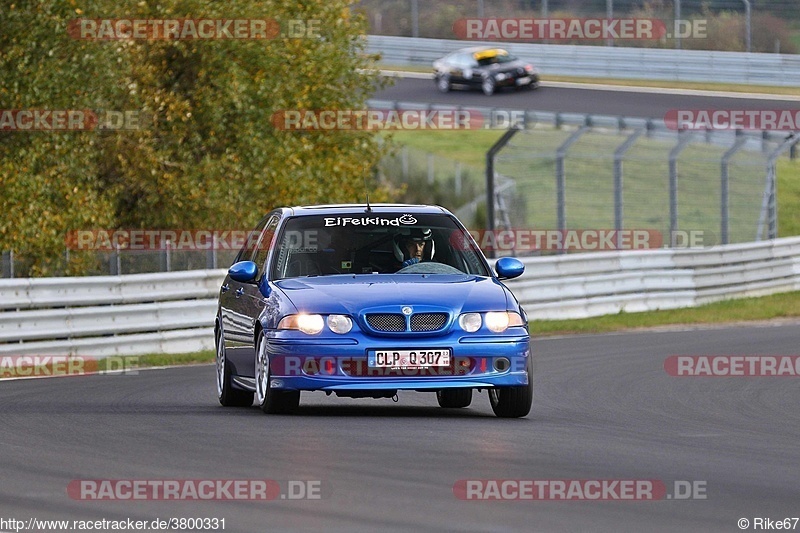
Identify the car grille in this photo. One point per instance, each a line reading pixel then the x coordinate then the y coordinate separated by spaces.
pixel 386 322
pixel 420 322
pixel 428 321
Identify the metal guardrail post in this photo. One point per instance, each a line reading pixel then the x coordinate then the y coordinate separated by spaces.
pixel 724 188
pixel 490 155
pixel 619 153
pixel 114 262
pixel 747 25
pixel 8 264
pixel 415 18
pixel 683 141
pixel 561 179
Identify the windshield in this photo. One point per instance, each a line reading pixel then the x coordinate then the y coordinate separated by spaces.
pixel 375 243
pixel 496 59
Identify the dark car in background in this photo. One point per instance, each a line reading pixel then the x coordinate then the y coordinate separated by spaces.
pixel 485 68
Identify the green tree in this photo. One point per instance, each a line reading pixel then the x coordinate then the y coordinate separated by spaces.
pixel 206 153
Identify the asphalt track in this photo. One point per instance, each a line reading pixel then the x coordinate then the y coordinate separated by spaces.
pixel 604 408
pixel 653 103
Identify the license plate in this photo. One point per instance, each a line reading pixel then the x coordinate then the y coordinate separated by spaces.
pixel 523 81
pixel 409 358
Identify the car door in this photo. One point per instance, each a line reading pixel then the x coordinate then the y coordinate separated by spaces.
pixel 238 312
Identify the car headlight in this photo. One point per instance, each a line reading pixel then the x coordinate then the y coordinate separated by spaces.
pixel 500 77
pixel 499 321
pixel 340 323
pixel 470 322
pixel 310 324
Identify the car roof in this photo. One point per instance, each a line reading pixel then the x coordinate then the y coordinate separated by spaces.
pixel 473 49
pixel 327 209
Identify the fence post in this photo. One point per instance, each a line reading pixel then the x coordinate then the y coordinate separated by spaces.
pixel 490 196
pixel 404 161
pixel 458 178
pixel 724 188
pixel 430 169
pixel 769 204
pixel 683 141
pixel 561 179
pixel 8 264
pixel 618 199
pixel 114 262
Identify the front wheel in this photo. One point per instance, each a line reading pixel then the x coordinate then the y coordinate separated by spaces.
pixel 271 401
pixel 513 402
pixel 443 83
pixel 454 398
pixel 227 395
pixel 488 86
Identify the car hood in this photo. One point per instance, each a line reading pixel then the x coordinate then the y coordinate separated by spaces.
pixel 347 294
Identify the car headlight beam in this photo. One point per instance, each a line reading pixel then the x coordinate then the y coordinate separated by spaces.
pixel 308 324
pixel 499 321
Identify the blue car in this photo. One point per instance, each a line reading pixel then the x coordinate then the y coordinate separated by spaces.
pixel 364 301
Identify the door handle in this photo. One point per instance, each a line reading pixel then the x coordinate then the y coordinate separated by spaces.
pixel 239 292
pixel 225 288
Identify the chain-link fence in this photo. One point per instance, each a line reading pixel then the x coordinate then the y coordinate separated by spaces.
pixel 126 261
pixel 684 188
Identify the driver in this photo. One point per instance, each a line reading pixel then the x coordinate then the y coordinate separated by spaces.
pixel 409 248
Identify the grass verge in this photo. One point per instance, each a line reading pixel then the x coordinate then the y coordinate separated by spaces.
pixel 786 305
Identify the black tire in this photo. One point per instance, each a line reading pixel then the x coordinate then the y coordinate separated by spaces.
pixel 513 402
pixel 443 83
pixel 227 395
pixel 271 401
pixel 454 398
pixel 488 86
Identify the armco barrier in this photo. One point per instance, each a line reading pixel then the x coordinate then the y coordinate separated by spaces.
pixel 584 285
pixel 174 312
pixel 610 62
pixel 109 315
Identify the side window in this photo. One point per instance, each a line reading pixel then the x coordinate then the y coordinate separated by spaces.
pixel 467 61
pixel 250 241
pixel 265 242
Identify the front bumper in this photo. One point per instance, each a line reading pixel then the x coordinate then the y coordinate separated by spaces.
pixel 341 364
pixel 518 81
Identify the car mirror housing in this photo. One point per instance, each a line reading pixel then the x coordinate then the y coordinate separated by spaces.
pixel 243 271
pixel 509 267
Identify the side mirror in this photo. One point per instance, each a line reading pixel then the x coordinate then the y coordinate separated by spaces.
pixel 509 267
pixel 243 271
